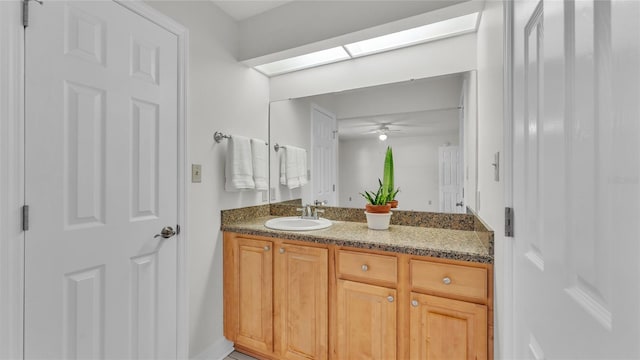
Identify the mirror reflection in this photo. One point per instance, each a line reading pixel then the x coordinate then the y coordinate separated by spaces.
pixel 332 146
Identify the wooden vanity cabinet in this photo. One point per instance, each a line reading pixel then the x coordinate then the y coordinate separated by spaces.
pixel 442 328
pixel 366 305
pixel 449 310
pixel 276 297
pixel 251 316
pixel 289 300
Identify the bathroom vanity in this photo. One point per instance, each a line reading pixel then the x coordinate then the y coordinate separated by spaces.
pixel 348 292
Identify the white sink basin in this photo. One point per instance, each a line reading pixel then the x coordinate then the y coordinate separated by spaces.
pixel 295 223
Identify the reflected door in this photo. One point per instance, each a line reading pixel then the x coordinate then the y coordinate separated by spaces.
pixel 450 180
pixel 576 169
pixel 324 155
pixel 101 181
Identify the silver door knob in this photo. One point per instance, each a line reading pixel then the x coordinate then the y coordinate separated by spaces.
pixel 267 248
pixel 365 267
pixel 414 303
pixel 390 298
pixel 166 232
pixel 446 281
pixel 281 250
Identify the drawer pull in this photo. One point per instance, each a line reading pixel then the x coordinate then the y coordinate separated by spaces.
pixel 281 250
pixel 414 303
pixel 365 267
pixel 446 280
pixel 390 298
pixel 266 248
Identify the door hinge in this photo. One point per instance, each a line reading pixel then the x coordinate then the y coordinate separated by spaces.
pixel 25 218
pixel 334 187
pixel 508 222
pixel 25 11
pixel 177 229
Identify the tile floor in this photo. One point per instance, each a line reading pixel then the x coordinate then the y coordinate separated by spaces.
pixel 238 356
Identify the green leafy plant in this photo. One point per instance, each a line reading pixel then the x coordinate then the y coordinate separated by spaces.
pixel 376 198
pixel 388 177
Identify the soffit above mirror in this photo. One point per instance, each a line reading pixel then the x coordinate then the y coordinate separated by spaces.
pixel 302 27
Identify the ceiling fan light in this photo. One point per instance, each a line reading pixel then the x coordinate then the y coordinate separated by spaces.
pixel 382 137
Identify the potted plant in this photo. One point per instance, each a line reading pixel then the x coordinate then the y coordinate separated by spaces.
pixel 388 177
pixel 378 211
pixel 377 201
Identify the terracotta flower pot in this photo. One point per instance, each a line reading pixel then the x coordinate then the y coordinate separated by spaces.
pixel 393 203
pixel 378 209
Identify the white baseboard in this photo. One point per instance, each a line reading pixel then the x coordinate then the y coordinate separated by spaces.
pixel 217 351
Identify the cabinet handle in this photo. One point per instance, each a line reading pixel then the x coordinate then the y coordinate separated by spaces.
pixel 414 303
pixel 267 248
pixel 365 267
pixel 446 280
pixel 281 250
pixel 390 298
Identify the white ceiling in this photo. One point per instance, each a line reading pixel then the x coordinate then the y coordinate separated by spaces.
pixel 244 9
pixel 428 107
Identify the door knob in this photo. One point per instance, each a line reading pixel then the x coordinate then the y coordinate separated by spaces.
pixel 459 204
pixel 166 232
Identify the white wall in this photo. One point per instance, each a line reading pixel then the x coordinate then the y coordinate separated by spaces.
pixel 447 56
pixel 490 140
pixel 226 96
pixel 415 161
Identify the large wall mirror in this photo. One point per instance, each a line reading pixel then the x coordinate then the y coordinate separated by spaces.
pixel 341 139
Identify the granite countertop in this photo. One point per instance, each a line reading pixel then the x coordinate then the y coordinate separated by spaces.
pixel 442 243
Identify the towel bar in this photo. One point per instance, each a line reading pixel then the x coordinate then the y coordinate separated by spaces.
pixel 218 136
pixel 277 147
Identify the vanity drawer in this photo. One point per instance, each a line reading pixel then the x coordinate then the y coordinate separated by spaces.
pixel 368 266
pixel 454 280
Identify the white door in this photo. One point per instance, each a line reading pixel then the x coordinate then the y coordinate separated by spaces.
pixel 576 170
pixel 323 155
pixel 101 181
pixel 450 180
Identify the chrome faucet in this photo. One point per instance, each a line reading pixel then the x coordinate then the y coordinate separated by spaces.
pixel 309 212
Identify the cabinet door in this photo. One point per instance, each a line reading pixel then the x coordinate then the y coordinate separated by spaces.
pixel 447 329
pixel 301 302
pixel 366 321
pixel 254 271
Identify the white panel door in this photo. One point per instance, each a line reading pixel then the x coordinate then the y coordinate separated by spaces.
pixel 450 180
pixel 323 154
pixel 101 181
pixel 576 170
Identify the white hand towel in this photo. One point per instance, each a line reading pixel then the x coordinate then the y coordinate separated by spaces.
pixel 238 167
pixel 260 160
pixel 302 166
pixel 283 166
pixel 291 165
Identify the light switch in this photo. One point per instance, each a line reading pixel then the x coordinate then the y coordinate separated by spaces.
pixel 196 173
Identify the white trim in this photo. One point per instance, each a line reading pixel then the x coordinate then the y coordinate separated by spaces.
pixel 505 306
pixel 11 179
pixel 182 34
pixel 219 350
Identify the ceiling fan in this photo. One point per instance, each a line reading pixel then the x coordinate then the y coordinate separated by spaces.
pixel 382 131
